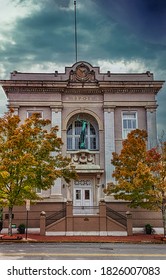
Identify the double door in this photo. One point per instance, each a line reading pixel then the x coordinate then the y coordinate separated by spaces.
pixel 83 197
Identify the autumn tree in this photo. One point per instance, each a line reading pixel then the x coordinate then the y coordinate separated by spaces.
pixel 140 174
pixel 30 158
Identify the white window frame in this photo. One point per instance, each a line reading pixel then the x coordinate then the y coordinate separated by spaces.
pixel 134 119
pixel 30 112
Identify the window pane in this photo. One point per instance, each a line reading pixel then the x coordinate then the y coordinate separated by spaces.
pixel 129 115
pixel 134 124
pixel 76 143
pixel 92 143
pixel 78 126
pixel 87 194
pixel 78 194
pixel 124 123
pixel 69 131
pixel 92 130
pixel 69 143
pixel 38 190
pixel 129 124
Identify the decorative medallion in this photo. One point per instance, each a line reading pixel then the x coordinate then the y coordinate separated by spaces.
pixel 82 72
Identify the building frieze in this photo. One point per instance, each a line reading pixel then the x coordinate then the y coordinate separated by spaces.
pixel 32 90
pixel 130 90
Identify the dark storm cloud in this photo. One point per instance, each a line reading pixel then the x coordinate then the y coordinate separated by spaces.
pixel 42 36
pixel 146 18
pixel 141 26
pixel 47 34
pixel 62 3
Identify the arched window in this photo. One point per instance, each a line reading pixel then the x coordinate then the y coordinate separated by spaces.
pixel 73 136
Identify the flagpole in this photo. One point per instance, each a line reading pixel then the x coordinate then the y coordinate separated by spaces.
pixel 75 17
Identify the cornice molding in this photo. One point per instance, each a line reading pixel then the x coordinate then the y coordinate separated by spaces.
pixel 117 90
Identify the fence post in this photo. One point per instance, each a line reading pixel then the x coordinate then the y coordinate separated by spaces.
pixel 129 223
pixel 102 217
pixel 42 223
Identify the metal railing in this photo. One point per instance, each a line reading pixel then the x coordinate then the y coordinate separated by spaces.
pixel 56 216
pixel 85 210
pixel 116 216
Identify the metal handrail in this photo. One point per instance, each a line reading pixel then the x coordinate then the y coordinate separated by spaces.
pixel 86 207
pixel 116 216
pixel 86 210
pixel 56 216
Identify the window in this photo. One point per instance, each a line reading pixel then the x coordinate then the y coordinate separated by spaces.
pixel 30 113
pixel 38 191
pixel 87 194
pixel 73 136
pixel 129 123
pixel 78 194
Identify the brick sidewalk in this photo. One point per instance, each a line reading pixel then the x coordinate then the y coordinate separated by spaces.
pixel 97 239
pixel 140 238
pixel 136 238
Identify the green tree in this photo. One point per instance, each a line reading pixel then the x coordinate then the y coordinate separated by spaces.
pixel 30 158
pixel 140 175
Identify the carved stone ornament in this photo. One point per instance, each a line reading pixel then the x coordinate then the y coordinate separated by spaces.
pixel 82 74
pixel 83 158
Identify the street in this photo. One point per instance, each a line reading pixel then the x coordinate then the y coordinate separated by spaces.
pixel 81 251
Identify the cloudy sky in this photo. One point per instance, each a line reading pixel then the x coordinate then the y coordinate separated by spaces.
pixel 117 35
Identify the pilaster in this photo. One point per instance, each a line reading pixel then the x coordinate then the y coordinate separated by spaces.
pixel 56 120
pixel 109 142
pixel 151 126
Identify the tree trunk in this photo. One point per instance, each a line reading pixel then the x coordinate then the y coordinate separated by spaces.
pixel 165 221
pixel 10 221
pixel 164 218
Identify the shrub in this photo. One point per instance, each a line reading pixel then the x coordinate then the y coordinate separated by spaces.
pixel 21 228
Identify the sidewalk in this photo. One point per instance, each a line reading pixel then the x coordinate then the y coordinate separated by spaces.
pixel 136 238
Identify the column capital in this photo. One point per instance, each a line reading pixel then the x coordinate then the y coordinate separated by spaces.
pixel 108 108
pixel 151 108
pixel 56 109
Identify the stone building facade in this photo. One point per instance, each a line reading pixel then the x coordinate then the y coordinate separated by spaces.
pixel 105 106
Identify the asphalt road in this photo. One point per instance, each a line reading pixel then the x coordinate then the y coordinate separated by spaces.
pixel 81 251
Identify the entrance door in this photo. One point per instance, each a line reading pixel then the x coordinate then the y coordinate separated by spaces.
pixel 83 199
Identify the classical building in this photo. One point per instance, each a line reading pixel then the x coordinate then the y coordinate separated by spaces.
pixel 94 112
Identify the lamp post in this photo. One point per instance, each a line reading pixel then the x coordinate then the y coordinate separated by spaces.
pixel 27 209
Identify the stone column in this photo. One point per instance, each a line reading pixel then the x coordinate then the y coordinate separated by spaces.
pixel 56 120
pixel 109 142
pixel 151 127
